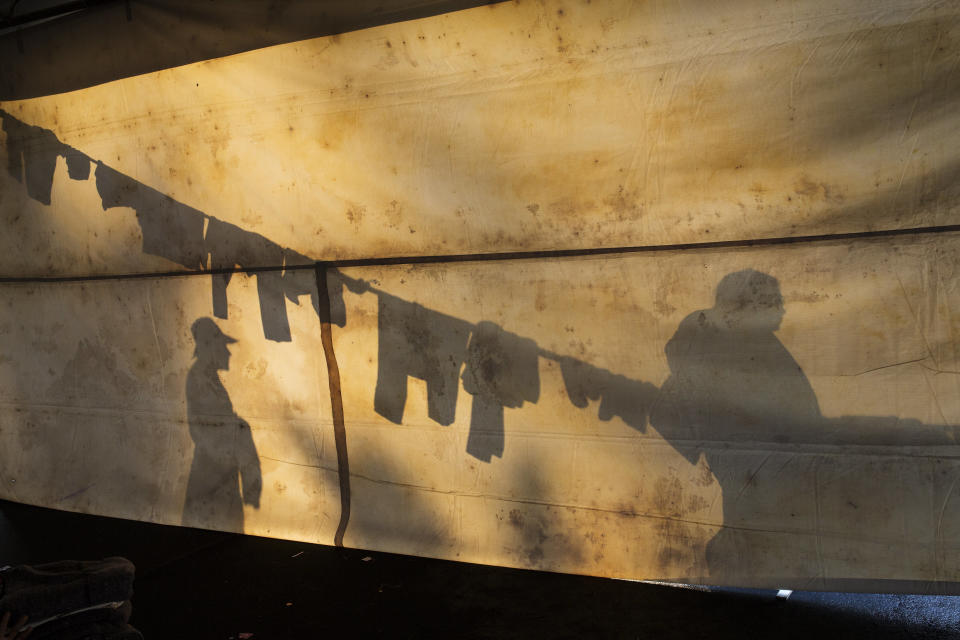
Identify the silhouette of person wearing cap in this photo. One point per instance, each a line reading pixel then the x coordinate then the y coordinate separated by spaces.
pixel 224 455
pixel 730 376
pixel 732 381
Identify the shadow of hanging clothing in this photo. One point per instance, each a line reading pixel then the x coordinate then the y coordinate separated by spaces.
pixel 502 370
pixel 619 396
pixel 32 154
pixel 170 229
pixel 336 283
pixel 226 246
pixel 420 343
pixel 225 472
pixel 188 237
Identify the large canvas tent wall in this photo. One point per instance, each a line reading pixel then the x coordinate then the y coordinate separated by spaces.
pixel 642 290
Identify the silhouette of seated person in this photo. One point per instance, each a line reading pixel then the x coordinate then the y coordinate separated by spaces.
pixel 733 381
pixel 224 455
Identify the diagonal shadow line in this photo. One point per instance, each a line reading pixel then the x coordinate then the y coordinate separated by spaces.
pixel 205 245
pixel 208 246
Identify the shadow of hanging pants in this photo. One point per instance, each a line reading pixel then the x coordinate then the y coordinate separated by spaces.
pixel 420 343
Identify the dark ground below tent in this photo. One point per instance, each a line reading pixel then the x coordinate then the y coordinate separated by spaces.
pixel 200 584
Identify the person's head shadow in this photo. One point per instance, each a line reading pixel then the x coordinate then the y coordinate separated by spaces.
pixel 749 300
pixel 211 345
pixel 731 379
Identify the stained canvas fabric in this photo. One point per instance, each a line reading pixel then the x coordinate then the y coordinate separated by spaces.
pixel 623 289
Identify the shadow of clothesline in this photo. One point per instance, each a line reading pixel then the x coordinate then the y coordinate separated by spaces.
pixel 497 367
pixel 732 382
pixel 501 368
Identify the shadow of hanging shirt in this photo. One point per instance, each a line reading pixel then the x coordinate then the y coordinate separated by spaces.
pixel 78 164
pixel 228 245
pixel 336 282
pixel 583 381
pixel 297 283
pixel 170 229
pixel 425 344
pixel 502 370
pixel 629 400
pixel 218 289
pixel 619 396
pixel 32 157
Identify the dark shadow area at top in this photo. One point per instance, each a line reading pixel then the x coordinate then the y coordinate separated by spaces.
pixel 225 472
pixel 118 40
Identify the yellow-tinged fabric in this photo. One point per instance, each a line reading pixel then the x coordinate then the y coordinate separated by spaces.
pixel 781 415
